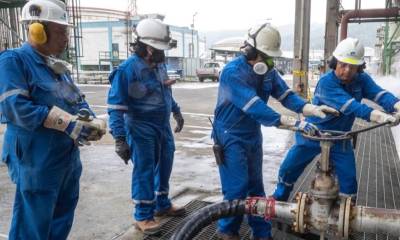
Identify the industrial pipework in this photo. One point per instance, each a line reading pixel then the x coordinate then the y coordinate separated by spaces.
pixel 321 211
pixel 375 15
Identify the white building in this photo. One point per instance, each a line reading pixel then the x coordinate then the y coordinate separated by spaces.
pixel 107 34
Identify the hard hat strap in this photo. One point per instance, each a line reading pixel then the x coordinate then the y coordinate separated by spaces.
pixel 254 35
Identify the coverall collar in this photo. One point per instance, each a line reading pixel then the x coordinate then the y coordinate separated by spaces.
pixel 243 60
pixel 33 53
pixel 249 68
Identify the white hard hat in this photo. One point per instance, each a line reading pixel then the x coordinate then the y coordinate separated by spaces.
pixel 154 33
pixel 265 39
pixel 350 51
pixel 45 11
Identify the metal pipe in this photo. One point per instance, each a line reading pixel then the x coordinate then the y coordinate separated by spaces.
pixel 285 211
pixel 367 20
pixel 376 220
pixel 367 13
pixel 325 151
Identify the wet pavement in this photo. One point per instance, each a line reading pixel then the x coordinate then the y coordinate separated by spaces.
pixel 104 209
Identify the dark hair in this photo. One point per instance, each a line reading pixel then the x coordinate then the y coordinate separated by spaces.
pixel 332 62
pixel 140 49
pixel 249 51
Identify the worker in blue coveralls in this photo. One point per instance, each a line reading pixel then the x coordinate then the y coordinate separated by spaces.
pixel 343 88
pixel 47 119
pixel 140 103
pixel 245 86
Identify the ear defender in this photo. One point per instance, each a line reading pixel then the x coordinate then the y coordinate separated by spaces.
pixel 37 33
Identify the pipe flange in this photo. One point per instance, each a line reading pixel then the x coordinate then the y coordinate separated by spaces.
pixel 340 224
pixel 295 226
pixel 346 222
pixel 300 222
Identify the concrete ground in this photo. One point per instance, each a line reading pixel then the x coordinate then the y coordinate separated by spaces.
pixel 104 209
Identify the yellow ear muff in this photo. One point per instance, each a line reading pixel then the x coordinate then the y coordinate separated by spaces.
pixel 37 33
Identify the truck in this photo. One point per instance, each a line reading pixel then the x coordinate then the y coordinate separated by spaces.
pixel 210 70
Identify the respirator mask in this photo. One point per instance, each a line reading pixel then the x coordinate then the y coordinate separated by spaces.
pixel 263 67
pixel 58 66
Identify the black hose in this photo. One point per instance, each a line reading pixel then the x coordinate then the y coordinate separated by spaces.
pixel 195 222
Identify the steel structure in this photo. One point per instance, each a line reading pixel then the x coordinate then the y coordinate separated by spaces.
pixel 75 48
pixel 132 12
pixel 301 47
pixel 390 47
pixel 331 29
pixel 11 31
pixel 13 34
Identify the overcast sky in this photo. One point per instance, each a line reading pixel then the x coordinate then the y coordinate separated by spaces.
pixel 227 14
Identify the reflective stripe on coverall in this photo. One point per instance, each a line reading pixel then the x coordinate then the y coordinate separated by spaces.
pixel 140 107
pixel 241 108
pixel 43 163
pixel 346 98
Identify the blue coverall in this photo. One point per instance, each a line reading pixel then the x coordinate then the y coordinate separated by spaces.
pixel 346 98
pixel 43 163
pixel 241 108
pixel 140 106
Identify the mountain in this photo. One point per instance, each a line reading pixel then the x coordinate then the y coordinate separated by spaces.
pixel 366 32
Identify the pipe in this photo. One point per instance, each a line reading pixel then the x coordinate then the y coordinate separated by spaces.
pixel 205 216
pixel 367 13
pixel 285 211
pixel 376 220
pixel 257 206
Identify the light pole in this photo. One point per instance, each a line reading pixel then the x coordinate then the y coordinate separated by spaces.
pixel 192 47
pixel 191 50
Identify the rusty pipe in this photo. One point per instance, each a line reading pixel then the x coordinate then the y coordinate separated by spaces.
pixel 366 13
pixel 375 220
pixel 269 208
pixel 285 211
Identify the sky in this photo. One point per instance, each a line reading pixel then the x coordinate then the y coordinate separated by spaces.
pixel 215 15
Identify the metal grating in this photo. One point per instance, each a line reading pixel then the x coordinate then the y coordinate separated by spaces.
pixel 378 174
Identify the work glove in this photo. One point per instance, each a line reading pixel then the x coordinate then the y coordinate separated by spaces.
pixel 397 111
pixel 179 121
pixel 291 123
pixel 82 128
pixel 381 117
pixel 122 149
pixel 318 111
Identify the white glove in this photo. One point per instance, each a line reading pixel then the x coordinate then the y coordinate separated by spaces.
pixel 396 114
pixel 318 111
pixel 291 123
pixel 80 130
pixel 397 107
pixel 381 117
